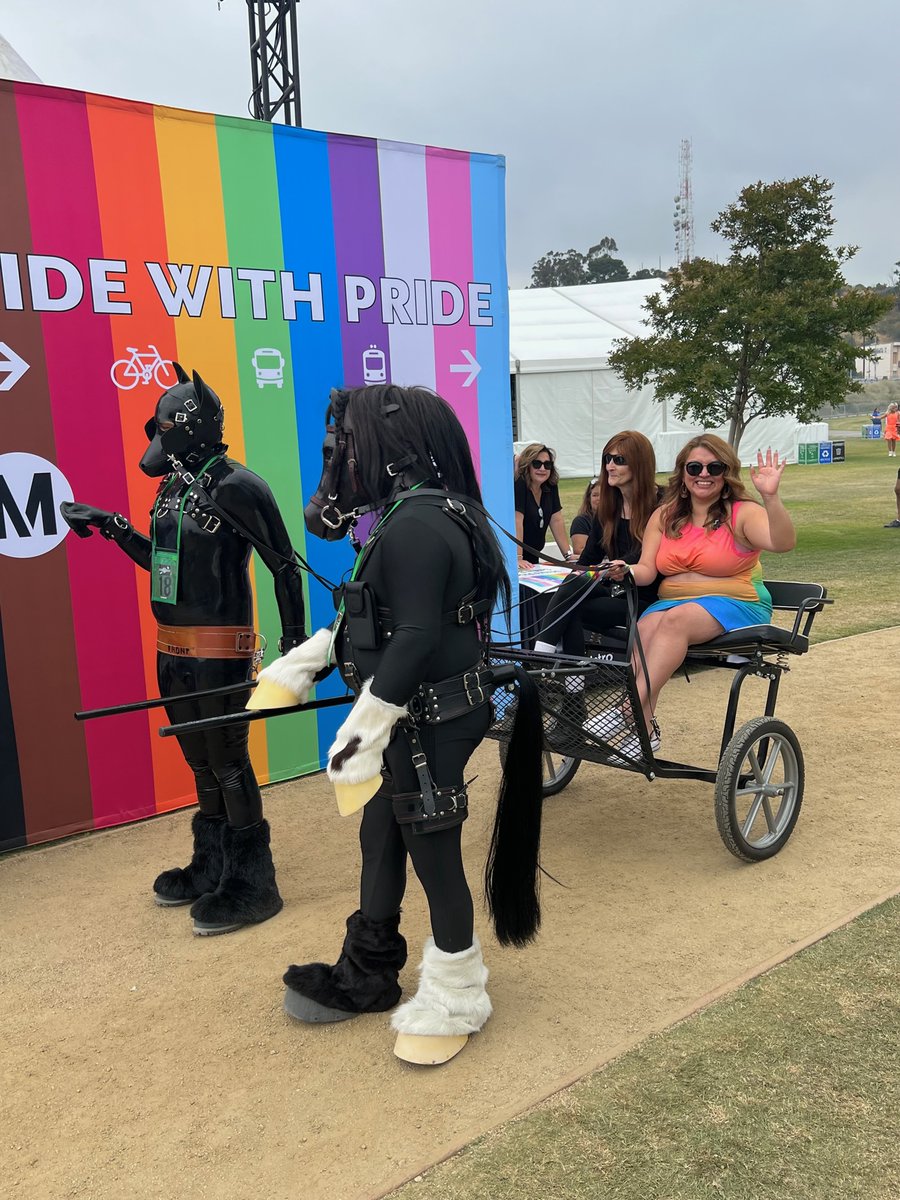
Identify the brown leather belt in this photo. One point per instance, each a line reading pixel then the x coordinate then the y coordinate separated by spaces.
pixel 206 641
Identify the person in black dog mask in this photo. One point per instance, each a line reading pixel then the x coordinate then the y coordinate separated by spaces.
pixel 202 600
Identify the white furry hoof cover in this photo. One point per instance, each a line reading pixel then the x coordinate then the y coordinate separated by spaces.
pixel 292 675
pixel 451 1001
pixel 428 1051
pixel 355 755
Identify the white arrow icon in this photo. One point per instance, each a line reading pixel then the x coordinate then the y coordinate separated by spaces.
pixel 15 365
pixel 471 368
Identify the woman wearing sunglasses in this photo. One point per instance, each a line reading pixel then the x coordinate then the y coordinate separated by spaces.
pixel 705 540
pixel 627 495
pixel 538 506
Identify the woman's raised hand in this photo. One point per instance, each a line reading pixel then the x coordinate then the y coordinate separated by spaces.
pixel 766 475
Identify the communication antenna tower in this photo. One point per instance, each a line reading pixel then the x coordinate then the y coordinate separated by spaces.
pixel 684 207
pixel 274 61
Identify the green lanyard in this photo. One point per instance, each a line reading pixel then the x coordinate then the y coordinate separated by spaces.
pixel 164 563
pixel 359 561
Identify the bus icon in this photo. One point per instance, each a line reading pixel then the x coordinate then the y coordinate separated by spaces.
pixel 374 370
pixel 268 364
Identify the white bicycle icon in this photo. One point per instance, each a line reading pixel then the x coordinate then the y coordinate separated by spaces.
pixel 127 373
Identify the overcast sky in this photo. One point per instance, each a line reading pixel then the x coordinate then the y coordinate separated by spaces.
pixel 587 99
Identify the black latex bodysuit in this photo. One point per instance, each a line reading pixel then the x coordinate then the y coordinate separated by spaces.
pixel 420 567
pixel 214 589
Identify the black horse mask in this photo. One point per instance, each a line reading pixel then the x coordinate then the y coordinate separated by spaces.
pixel 187 426
pixel 339 486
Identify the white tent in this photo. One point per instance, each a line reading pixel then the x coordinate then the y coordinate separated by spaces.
pixel 568 397
pixel 13 66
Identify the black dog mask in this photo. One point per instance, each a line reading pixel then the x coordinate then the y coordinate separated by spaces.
pixel 194 420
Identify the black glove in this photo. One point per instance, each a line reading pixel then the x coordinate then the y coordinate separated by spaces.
pixel 80 518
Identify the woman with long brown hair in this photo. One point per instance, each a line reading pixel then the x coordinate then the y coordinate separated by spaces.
pixel 705 540
pixel 628 496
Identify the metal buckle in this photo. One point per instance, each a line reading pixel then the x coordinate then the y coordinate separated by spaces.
pixel 469 610
pixel 472 688
pixel 245 641
pixel 333 524
pixel 190 405
pixel 210 522
pixel 419 761
pixel 180 418
pixel 391 471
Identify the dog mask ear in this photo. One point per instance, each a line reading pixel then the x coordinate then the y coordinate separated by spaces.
pixel 180 372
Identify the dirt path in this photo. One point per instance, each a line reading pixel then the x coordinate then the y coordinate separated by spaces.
pixel 140 1061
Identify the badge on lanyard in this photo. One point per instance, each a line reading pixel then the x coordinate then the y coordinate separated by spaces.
pixel 164 563
pixel 164 576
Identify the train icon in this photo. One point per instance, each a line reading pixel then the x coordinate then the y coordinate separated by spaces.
pixel 374 369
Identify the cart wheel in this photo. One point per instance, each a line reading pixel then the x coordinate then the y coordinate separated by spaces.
pixel 759 788
pixel 558 770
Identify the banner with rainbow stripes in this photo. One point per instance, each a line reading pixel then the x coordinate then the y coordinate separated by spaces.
pixel 278 263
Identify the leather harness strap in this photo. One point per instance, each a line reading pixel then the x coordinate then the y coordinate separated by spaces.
pixel 207 641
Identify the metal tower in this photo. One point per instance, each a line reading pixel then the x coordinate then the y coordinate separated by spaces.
pixel 684 207
pixel 274 61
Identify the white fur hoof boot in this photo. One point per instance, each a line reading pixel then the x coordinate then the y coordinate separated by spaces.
pixel 451 1004
pixel 288 680
pixel 428 1051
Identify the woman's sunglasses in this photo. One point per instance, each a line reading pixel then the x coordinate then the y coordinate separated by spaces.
pixel 542 464
pixel 714 468
pixel 619 459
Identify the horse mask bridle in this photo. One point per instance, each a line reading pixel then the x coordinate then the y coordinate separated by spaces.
pixel 322 515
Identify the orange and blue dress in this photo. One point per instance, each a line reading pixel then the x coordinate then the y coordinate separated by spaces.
pixel 734 594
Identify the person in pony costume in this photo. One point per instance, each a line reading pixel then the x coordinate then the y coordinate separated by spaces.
pixel 209 513
pixel 410 642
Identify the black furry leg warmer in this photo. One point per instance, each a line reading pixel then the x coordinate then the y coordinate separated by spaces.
pixel 181 885
pixel 364 979
pixel 247 891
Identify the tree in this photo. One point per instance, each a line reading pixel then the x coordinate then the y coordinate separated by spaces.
pixel 563 269
pixel 558 269
pixel 764 333
pixel 601 267
pixel 649 273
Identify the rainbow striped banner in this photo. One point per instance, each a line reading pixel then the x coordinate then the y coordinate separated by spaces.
pixel 279 263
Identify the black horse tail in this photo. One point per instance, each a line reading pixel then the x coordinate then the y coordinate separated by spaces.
pixel 511 873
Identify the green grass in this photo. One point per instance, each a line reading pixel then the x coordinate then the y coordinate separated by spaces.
pixel 789 1088
pixel 839 511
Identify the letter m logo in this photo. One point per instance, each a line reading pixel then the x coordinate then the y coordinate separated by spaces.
pixel 31 490
pixel 40 501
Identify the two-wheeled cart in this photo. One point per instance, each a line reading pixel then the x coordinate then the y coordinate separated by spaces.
pixel 591 713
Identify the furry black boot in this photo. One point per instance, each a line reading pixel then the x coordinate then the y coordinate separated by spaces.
pixel 247 892
pixel 363 980
pixel 183 885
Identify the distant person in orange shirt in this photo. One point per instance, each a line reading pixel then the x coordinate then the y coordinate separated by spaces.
pixel 891 432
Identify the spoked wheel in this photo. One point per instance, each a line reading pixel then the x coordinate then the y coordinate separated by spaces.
pixel 557 770
pixel 759 789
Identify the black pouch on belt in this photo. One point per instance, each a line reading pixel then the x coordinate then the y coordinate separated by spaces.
pixel 361 614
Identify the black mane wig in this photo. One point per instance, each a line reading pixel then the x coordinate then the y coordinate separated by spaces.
pixel 391 424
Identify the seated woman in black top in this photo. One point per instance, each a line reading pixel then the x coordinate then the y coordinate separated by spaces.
pixel 580 528
pixel 538 506
pixel 628 495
